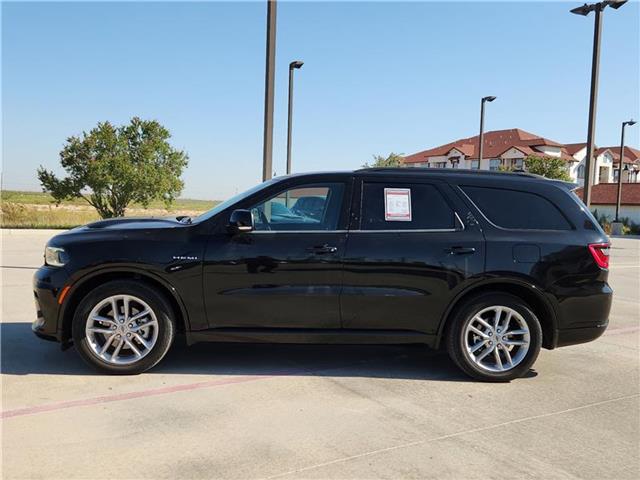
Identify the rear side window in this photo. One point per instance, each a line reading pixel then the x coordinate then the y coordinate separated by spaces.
pixel 516 209
pixel 400 206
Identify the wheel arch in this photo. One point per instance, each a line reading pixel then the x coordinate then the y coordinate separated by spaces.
pixel 528 292
pixel 90 281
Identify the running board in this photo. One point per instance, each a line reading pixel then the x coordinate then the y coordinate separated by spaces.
pixel 304 335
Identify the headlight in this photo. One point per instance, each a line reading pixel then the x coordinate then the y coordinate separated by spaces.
pixel 54 256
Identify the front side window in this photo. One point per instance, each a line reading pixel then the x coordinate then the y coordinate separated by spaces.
pixel 581 171
pixel 475 164
pixel 517 209
pixel 400 206
pixel 494 164
pixel 310 207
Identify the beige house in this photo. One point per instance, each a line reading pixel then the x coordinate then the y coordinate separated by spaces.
pixel 509 148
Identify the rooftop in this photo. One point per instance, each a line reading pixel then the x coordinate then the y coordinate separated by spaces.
pixel 498 142
pixel 606 194
pixel 495 144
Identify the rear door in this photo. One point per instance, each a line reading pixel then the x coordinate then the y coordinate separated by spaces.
pixel 408 253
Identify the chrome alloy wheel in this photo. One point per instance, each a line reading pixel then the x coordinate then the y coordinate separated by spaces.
pixel 121 329
pixel 496 339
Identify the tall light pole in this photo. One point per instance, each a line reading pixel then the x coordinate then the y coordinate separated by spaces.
pixel 593 97
pixel 481 136
pixel 269 80
pixel 620 169
pixel 292 66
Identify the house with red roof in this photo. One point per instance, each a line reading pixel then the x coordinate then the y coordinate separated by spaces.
pixel 509 148
pixel 604 197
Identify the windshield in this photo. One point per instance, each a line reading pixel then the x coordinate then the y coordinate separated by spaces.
pixel 235 199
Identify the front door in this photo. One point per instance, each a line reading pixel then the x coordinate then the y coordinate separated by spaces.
pixel 287 272
pixel 408 256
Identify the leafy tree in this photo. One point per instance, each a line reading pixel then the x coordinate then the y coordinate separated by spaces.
pixel 113 166
pixel 391 160
pixel 550 167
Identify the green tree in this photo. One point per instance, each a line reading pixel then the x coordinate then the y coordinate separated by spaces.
pixel 391 160
pixel 113 166
pixel 550 167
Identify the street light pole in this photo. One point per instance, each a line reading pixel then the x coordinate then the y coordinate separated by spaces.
pixel 269 80
pixel 292 66
pixel 481 136
pixel 620 167
pixel 589 170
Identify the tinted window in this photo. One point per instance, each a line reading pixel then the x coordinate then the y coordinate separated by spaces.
pixel 517 209
pixel 426 208
pixel 311 207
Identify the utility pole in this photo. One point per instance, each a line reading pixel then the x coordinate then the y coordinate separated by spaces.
pixel 589 170
pixel 269 81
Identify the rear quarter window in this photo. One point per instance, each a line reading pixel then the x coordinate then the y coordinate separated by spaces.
pixel 515 209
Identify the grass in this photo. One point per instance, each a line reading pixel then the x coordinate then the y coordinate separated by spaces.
pixel 41 198
pixel 38 210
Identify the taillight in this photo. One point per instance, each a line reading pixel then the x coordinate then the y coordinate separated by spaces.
pixel 600 253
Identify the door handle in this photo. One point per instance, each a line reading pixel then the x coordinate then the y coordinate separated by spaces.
pixel 461 250
pixel 322 249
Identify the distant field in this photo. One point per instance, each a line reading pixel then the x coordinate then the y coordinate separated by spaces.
pixel 38 210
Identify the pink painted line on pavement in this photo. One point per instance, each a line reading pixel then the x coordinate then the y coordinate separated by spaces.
pixel 18 412
pixel 621 330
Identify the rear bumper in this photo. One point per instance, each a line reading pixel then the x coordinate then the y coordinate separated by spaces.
pixel 575 336
pixel 583 314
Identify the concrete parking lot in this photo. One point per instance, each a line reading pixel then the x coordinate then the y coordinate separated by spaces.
pixel 263 411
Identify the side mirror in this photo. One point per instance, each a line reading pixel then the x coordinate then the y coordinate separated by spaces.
pixel 241 221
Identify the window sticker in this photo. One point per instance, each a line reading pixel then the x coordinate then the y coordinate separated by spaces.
pixel 397 204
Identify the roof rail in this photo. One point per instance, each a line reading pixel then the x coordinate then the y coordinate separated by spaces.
pixel 447 171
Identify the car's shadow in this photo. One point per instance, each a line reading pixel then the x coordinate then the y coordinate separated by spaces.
pixel 24 354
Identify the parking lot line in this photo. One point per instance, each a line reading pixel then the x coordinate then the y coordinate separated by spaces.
pixel 451 435
pixel 18 412
pixel 619 331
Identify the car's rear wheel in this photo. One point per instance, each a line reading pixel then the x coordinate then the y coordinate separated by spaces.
pixel 494 337
pixel 123 327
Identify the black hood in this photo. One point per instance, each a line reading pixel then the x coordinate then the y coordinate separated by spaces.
pixel 132 223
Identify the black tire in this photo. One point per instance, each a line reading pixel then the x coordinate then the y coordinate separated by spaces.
pixel 154 299
pixel 456 342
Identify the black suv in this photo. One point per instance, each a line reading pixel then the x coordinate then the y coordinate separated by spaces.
pixel 491 266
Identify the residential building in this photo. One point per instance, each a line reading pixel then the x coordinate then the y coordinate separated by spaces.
pixel 509 148
pixel 604 196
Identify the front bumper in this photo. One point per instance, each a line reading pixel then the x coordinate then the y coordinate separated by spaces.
pixel 47 285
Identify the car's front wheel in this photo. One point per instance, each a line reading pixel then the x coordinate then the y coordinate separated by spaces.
pixel 494 337
pixel 123 327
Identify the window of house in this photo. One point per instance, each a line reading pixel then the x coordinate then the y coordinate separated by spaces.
pixel 518 164
pixel 312 207
pixel 429 209
pixel 516 209
pixel 475 164
pixel 581 171
pixel 494 164
pixel 441 165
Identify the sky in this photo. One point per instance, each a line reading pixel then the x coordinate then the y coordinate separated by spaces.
pixel 378 77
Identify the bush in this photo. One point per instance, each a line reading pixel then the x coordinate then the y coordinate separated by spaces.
pixel 628 227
